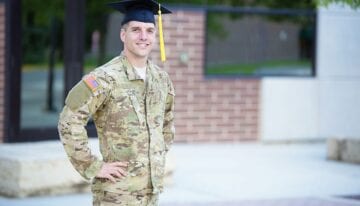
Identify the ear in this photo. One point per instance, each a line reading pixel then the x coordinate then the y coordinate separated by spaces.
pixel 122 35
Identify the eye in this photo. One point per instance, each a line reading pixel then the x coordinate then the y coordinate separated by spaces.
pixel 135 29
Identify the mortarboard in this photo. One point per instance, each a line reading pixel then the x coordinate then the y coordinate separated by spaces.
pixel 143 11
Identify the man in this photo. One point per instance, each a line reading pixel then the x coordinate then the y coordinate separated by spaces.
pixel 131 102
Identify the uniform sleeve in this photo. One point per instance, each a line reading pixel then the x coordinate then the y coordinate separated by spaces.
pixel 81 103
pixel 169 127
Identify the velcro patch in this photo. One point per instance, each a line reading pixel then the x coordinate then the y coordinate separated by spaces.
pixel 91 82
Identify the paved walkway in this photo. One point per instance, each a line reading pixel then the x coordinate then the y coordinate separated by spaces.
pixel 245 174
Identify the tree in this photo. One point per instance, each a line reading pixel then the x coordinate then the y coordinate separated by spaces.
pixel 352 3
pixel 36 20
pixel 97 14
pixel 271 3
pixel 36 17
pixel 305 4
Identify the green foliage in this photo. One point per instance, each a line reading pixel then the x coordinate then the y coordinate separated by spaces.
pixel 352 3
pixel 39 13
pixel 36 16
pixel 214 25
pixel 252 68
pixel 304 4
pixel 36 21
pixel 288 4
pixel 97 14
pixel 215 28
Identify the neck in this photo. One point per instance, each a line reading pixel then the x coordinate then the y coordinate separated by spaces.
pixel 135 60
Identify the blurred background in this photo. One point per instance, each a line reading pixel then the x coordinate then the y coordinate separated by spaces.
pixel 267 96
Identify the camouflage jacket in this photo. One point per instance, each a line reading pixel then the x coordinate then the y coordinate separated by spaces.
pixel 134 122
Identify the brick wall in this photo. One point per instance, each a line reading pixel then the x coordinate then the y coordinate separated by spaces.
pixel 206 109
pixel 2 68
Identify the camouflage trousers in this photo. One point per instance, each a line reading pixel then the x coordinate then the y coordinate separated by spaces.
pixel 104 198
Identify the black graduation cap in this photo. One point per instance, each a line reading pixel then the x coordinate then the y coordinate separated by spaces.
pixel 139 10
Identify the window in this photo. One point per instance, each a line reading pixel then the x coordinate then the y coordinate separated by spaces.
pixel 256 43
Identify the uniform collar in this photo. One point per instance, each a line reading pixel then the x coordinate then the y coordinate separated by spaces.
pixel 130 70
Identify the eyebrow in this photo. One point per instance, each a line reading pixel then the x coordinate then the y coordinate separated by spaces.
pixel 138 27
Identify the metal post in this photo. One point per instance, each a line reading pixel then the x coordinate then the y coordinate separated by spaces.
pixel 12 70
pixel 50 84
pixel 74 42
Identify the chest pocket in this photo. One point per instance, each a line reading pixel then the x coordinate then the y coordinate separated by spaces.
pixel 126 108
pixel 157 95
pixel 136 106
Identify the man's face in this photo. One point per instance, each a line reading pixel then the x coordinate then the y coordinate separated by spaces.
pixel 138 38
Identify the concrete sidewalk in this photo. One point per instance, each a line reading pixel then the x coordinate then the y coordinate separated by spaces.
pixel 245 174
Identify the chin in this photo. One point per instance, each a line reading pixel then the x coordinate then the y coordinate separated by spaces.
pixel 143 54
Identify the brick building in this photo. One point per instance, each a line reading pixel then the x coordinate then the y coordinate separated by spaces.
pixel 206 109
pixel 222 109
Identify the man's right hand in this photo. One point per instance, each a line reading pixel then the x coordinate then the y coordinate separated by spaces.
pixel 112 170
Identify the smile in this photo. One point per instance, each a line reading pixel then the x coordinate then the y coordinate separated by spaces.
pixel 142 45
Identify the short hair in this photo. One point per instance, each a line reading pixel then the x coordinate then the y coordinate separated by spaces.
pixel 124 26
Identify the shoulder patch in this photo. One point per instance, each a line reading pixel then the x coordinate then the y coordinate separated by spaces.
pixel 79 95
pixel 91 82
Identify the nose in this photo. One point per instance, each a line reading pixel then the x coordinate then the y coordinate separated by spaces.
pixel 143 35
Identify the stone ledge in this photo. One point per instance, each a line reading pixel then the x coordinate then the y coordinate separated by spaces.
pixel 42 168
pixel 344 149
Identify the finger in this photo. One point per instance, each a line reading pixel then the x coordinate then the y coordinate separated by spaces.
pixel 111 178
pixel 119 172
pixel 122 172
pixel 101 174
pixel 119 164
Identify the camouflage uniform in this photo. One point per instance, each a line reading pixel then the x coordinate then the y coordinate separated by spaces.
pixel 134 122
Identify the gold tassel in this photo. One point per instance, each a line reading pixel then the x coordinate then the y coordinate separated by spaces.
pixel 161 37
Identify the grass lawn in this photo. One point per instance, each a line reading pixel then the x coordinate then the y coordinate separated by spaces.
pixel 250 69
pixel 89 65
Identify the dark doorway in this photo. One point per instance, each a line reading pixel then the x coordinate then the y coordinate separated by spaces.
pixel 44 58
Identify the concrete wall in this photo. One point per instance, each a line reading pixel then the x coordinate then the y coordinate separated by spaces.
pixel 289 109
pixel 339 72
pixel 327 105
